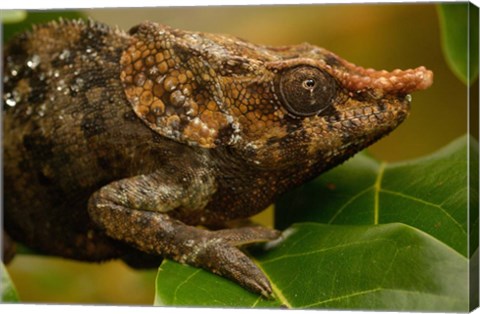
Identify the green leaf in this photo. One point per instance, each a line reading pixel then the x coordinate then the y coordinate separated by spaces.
pixel 175 282
pixel 459 28
pixel 383 267
pixel 12 16
pixel 359 256
pixel 7 289
pixel 428 193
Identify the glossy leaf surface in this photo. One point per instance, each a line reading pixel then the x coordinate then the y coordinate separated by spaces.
pixel 387 237
pixel 459 29
pixel 429 193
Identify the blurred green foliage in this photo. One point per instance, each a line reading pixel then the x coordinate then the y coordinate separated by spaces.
pixel 18 21
pixel 12 16
pixel 8 293
pixel 459 25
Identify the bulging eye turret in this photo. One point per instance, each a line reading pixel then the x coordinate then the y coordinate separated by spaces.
pixel 306 90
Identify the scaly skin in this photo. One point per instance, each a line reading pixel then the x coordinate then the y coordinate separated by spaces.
pixel 118 145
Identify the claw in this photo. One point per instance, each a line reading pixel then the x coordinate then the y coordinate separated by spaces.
pixel 218 253
pixel 228 261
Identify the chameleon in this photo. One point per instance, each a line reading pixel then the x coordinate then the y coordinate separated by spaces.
pixel 161 143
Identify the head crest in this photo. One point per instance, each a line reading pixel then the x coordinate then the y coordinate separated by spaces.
pixel 173 90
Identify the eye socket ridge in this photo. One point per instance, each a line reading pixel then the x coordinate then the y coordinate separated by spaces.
pixel 306 90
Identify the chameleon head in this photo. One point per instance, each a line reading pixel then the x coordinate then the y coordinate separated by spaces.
pixel 332 108
pixel 275 107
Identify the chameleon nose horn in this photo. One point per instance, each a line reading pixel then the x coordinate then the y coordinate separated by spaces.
pixel 397 81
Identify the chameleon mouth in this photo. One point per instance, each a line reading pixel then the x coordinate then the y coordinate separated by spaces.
pixel 393 113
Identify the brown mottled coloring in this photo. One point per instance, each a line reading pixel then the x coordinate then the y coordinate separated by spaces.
pixel 118 145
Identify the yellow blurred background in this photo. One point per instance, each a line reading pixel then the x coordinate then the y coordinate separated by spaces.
pixel 385 36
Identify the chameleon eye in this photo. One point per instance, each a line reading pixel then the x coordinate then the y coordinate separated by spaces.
pixel 309 83
pixel 306 90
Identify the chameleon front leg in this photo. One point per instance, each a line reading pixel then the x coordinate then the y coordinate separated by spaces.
pixel 134 210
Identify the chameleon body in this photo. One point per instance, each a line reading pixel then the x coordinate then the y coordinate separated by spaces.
pixel 119 145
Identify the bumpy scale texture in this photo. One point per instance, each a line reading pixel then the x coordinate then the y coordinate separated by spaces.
pixel 119 145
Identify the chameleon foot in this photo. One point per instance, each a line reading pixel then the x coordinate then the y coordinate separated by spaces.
pixel 220 255
pixel 159 234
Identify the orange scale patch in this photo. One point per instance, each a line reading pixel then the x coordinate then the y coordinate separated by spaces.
pixel 159 57
pixel 126 59
pixel 170 83
pixel 187 89
pixel 136 55
pixel 173 121
pixel 157 107
pixel 145 53
pixel 146 98
pixel 251 116
pixel 260 124
pixel 182 78
pixel 150 60
pixel 213 119
pixel 158 90
pixel 166 96
pixel 211 105
pixel 167 54
pixel 128 69
pixel 191 108
pixel 200 132
pixel 243 109
pixel 148 85
pixel 138 65
pixel 265 118
pixel 162 67
pixel 139 79
pixel 143 111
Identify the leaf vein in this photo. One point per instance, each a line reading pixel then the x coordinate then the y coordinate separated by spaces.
pixel 353 198
pixel 359 293
pixel 343 297
pixel 413 198
pixel 377 187
pixel 183 283
pixel 321 250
